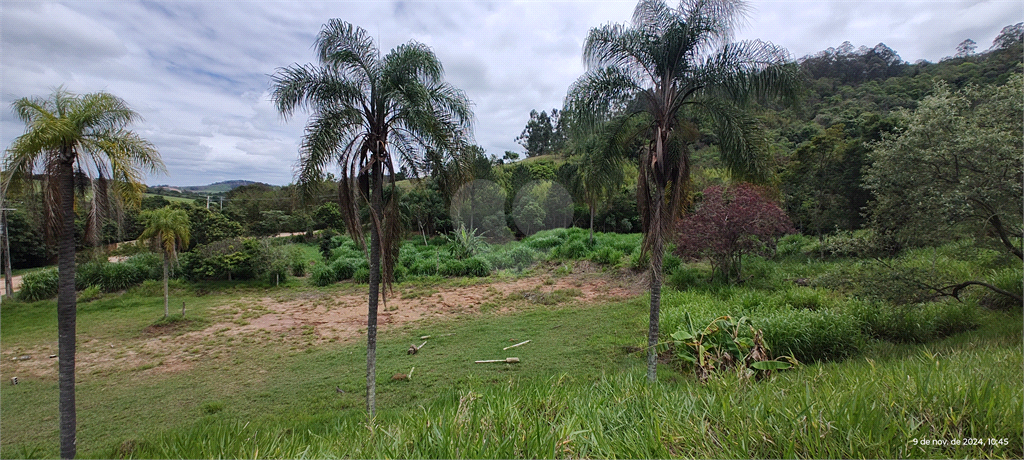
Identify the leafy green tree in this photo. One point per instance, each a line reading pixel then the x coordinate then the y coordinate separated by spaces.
pixel 542 135
pixel 427 210
pixel 956 160
pixel 328 215
pixel 28 247
pixel 670 66
pixel 206 226
pixel 370 112
pixel 68 133
pixel 154 202
pixel 167 229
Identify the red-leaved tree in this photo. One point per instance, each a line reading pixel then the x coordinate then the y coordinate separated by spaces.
pixel 729 223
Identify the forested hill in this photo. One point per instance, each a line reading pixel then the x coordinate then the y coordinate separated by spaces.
pixel 849 101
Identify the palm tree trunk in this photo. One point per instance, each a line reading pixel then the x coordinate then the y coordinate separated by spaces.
pixel 591 224
pixel 66 309
pixel 167 310
pixel 371 317
pixel 657 247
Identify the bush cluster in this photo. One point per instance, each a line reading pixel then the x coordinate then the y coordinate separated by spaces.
pixel 813 324
pixel 39 285
pixel 236 259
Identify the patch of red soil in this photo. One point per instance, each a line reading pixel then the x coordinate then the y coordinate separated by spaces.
pixel 313 319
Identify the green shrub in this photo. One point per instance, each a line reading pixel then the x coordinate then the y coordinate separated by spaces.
pixel 627 243
pixel 606 256
pixel 521 256
pixel 344 252
pixel 640 262
pixel 408 255
pixel 811 335
pixel 361 275
pixel 89 274
pixel 452 268
pixel 858 243
pixel 475 266
pixel 571 250
pixel 343 269
pixel 425 267
pixel 670 263
pixel 684 278
pixel 150 263
pixel 913 323
pixel 796 244
pixel 298 268
pixel 89 293
pixel 277 272
pixel 322 275
pixel 121 276
pixel 39 285
pixel 545 242
pixel 1008 279
pixel 400 273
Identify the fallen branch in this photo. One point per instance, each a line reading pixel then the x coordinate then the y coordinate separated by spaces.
pixel 506 360
pixel 959 287
pixel 516 345
pixel 429 336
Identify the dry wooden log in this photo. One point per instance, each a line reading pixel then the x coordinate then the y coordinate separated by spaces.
pixel 506 360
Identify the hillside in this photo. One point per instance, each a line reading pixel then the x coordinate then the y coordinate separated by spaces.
pixel 216 187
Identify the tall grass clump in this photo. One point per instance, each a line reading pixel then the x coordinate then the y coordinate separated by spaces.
pixel 606 256
pixel 322 275
pixel 811 335
pixel 39 285
pixel 1008 279
pixel 571 250
pixel 343 268
pixel 913 323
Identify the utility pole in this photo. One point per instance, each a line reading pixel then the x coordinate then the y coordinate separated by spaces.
pixel 5 252
pixel 5 248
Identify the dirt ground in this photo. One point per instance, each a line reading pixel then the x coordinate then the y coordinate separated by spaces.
pixel 311 318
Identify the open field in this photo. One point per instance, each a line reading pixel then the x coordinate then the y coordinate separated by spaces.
pixel 257 370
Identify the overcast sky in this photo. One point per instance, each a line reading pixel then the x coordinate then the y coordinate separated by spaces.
pixel 199 72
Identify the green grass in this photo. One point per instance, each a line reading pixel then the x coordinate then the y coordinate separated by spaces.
pixel 874 406
pixel 579 390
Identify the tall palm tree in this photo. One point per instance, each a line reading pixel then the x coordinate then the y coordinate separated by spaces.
pixel 371 115
pixel 169 229
pixel 72 138
pixel 669 69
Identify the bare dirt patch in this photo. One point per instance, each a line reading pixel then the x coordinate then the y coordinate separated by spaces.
pixel 312 318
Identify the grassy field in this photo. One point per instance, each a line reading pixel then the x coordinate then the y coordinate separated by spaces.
pixel 224 382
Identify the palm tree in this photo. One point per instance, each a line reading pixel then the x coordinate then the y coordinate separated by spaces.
pixel 74 137
pixel 593 171
pixel 169 229
pixel 371 115
pixel 671 68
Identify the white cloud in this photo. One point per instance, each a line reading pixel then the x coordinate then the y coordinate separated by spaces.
pixel 199 73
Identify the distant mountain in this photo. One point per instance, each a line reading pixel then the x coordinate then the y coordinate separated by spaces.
pixel 217 187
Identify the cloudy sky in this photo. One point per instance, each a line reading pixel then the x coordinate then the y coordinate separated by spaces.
pixel 199 72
